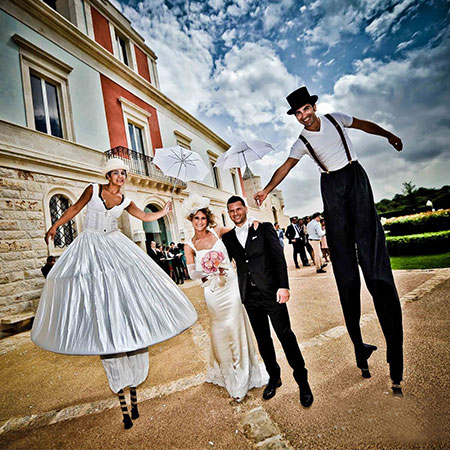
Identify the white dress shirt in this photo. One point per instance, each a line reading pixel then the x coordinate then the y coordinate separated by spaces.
pixel 242 233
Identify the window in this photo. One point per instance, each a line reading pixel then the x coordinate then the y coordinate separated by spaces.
pixel 136 140
pixel 235 183
pixel 214 170
pixel 47 117
pixel 46 91
pixel 182 140
pixel 122 52
pixel 137 127
pixel 66 233
pixel 224 220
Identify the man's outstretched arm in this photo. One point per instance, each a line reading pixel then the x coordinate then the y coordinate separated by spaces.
pixel 373 128
pixel 277 178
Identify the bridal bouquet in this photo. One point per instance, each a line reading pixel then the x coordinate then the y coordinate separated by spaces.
pixel 212 264
pixel 212 261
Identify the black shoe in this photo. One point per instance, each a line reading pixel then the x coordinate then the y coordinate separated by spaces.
pixel 306 264
pixel 397 390
pixel 134 413
pixel 271 389
pixel 306 396
pixel 321 271
pixel 323 265
pixel 362 364
pixel 297 266
pixel 127 423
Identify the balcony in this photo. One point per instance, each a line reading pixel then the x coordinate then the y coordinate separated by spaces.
pixel 143 166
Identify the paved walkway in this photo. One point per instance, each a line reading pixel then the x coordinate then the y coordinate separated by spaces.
pixel 56 401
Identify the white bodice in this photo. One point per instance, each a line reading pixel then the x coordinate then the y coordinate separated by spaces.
pixel 98 217
pixel 218 246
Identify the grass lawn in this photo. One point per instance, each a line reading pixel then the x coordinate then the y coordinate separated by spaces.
pixel 421 261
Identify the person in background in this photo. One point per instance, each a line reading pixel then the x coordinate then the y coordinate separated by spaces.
pixel 280 233
pixel 183 261
pixel 323 243
pixel 308 246
pixel 48 265
pixel 315 235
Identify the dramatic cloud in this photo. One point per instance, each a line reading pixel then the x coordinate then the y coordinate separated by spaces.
pixel 232 63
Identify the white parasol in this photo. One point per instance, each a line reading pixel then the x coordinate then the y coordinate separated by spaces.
pixel 180 163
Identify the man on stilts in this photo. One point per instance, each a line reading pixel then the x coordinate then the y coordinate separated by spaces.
pixel 354 232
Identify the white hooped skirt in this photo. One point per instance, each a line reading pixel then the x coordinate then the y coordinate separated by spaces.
pixel 105 296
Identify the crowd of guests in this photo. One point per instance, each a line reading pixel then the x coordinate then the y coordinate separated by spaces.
pixel 307 235
pixel 172 259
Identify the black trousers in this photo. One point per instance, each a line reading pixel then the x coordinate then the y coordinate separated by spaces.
pixel 259 310
pixel 355 235
pixel 299 249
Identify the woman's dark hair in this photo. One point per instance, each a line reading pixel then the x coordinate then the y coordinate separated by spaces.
pixel 209 216
pixel 108 175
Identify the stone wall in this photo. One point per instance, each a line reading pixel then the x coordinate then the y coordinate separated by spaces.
pixel 23 250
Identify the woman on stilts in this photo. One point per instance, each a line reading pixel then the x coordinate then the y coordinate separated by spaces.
pixel 105 296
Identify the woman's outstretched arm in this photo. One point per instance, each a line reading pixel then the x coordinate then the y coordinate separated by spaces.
pixel 70 213
pixel 148 217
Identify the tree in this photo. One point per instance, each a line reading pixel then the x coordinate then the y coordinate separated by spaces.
pixel 408 188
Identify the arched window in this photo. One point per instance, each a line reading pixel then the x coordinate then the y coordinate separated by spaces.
pixel 66 233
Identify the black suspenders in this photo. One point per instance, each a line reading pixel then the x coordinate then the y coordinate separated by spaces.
pixel 313 153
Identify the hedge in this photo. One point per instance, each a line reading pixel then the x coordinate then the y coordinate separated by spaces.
pixel 419 223
pixel 419 244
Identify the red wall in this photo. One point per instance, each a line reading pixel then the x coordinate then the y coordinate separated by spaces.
pixel 142 63
pixel 101 30
pixel 114 117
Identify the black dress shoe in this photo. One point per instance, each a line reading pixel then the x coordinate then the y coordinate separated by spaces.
pixel 297 266
pixel 127 423
pixel 397 390
pixel 323 265
pixel 271 389
pixel 321 271
pixel 362 363
pixel 306 396
pixel 306 264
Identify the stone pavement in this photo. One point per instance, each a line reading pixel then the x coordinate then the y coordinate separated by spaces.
pixel 52 401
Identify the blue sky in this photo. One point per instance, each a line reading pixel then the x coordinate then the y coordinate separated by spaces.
pixel 232 63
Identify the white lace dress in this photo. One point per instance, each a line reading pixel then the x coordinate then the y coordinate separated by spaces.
pixel 105 295
pixel 233 361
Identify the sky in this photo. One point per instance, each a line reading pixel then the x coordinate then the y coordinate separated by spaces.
pixel 231 63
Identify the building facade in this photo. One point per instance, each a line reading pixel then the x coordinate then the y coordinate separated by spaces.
pixel 78 86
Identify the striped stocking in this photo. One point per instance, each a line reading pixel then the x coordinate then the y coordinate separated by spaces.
pixel 127 423
pixel 134 408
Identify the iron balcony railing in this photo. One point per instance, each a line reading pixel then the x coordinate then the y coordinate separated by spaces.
pixel 143 165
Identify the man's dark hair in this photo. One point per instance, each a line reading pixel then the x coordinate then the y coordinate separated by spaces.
pixel 172 243
pixel 316 214
pixel 275 224
pixel 234 199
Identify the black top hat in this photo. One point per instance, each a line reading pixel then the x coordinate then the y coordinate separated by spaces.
pixel 300 97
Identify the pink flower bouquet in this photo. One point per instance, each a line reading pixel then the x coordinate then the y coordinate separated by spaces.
pixel 212 261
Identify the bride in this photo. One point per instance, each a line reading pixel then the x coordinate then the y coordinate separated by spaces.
pixel 233 362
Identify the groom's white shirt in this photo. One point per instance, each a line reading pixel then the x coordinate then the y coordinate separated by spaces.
pixel 242 232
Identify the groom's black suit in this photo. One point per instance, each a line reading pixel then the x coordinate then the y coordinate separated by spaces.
pixel 262 271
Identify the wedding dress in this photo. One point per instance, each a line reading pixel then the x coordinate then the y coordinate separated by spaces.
pixel 105 295
pixel 233 361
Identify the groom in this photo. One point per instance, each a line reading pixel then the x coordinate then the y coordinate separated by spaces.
pixel 264 288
